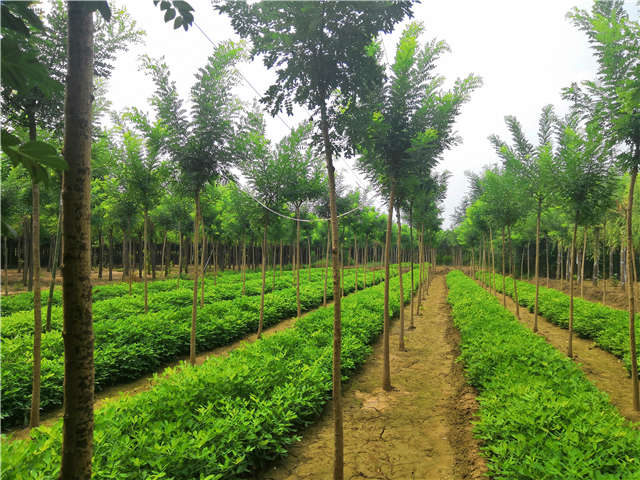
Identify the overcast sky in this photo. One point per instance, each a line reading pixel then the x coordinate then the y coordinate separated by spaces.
pixel 525 52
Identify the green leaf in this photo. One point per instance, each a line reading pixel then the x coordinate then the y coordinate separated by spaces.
pixel 8 140
pixel 169 15
pixel 178 23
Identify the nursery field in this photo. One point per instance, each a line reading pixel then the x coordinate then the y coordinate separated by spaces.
pixel 130 344
pixel 229 415
pixel 539 417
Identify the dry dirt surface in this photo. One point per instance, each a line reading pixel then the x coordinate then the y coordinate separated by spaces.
pixel 603 369
pixel 420 430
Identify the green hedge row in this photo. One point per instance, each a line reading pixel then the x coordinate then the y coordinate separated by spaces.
pixel 127 348
pixel 606 326
pixel 225 418
pixel 539 418
pixel 21 323
pixel 20 302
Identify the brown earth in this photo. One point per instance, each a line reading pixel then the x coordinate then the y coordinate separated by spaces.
pixel 420 430
pixel 603 369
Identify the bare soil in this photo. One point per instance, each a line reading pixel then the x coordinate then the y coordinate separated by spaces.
pixel 603 369
pixel 420 430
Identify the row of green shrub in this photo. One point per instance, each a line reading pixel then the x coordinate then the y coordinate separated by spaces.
pixel 118 308
pixel 127 348
pixel 540 418
pixel 606 326
pixel 20 302
pixel 227 417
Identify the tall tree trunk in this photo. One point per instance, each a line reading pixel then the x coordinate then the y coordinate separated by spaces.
pixel 203 259
pixel 194 307
pixel 338 464
pixel 493 263
pixel 537 266
pixel 297 261
pixel 281 248
pixel 512 255
pixel 596 257
pixel 355 256
pixel 401 345
pixel 546 245
pixel 179 255
pixel 264 270
pixel 244 263
pixel 386 369
pixel 110 253
pixel 630 288
pixel 326 263
pixel 162 256
pixel 504 290
pixel 54 265
pixel 145 250
pixel 34 419
pixel 571 266
pixel 309 248
pixel 77 427
pixel 101 251
pixel 273 269
pixel 604 262
pixel 584 254
pixel 411 257
pixel 365 260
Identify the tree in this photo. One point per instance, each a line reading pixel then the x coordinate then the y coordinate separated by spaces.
pixel 143 171
pixel 585 183
pixel 267 172
pixel 318 48
pixel 302 181
pixel 202 147
pixel 533 166
pixel 401 130
pixel 613 102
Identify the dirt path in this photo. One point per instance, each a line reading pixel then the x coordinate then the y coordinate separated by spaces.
pixel 604 370
pixel 421 430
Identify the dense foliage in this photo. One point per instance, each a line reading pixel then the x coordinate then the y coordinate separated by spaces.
pixel 539 417
pixel 226 417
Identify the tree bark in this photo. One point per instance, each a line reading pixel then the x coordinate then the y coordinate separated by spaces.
pixel 386 369
pixel 401 345
pixel 6 267
pixel 194 307
pixel 203 260
pixel 326 264
pixel 338 464
pixel 584 254
pixel 145 250
pixel 110 253
pixel 34 418
pixel 162 256
pixel 179 254
pixel 244 263
pixel 571 266
pixel 537 266
pixel 264 269
pixel 101 251
pixel 604 262
pixel 411 258
pixel 630 288
pixel 513 274
pixel 504 290
pixel 297 261
pixel 77 429
pixel 54 264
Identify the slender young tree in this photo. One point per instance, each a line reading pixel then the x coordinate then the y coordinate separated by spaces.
pixel 319 48
pixel 612 102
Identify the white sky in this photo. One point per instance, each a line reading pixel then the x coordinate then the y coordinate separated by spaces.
pixel 525 52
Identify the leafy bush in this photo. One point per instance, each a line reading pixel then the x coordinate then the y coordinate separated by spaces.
pixel 225 418
pixel 163 297
pixel 127 347
pixel 607 327
pixel 540 418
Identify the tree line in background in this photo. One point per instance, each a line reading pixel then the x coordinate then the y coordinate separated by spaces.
pixel 573 188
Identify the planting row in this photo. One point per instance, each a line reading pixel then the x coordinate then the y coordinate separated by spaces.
pixel 227 417
pixel 118 308
pixel 127 348
pixel 540 418
pixel 24 301
pixel 607 327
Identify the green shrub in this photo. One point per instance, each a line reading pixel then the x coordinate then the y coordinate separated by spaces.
pixel 540 418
